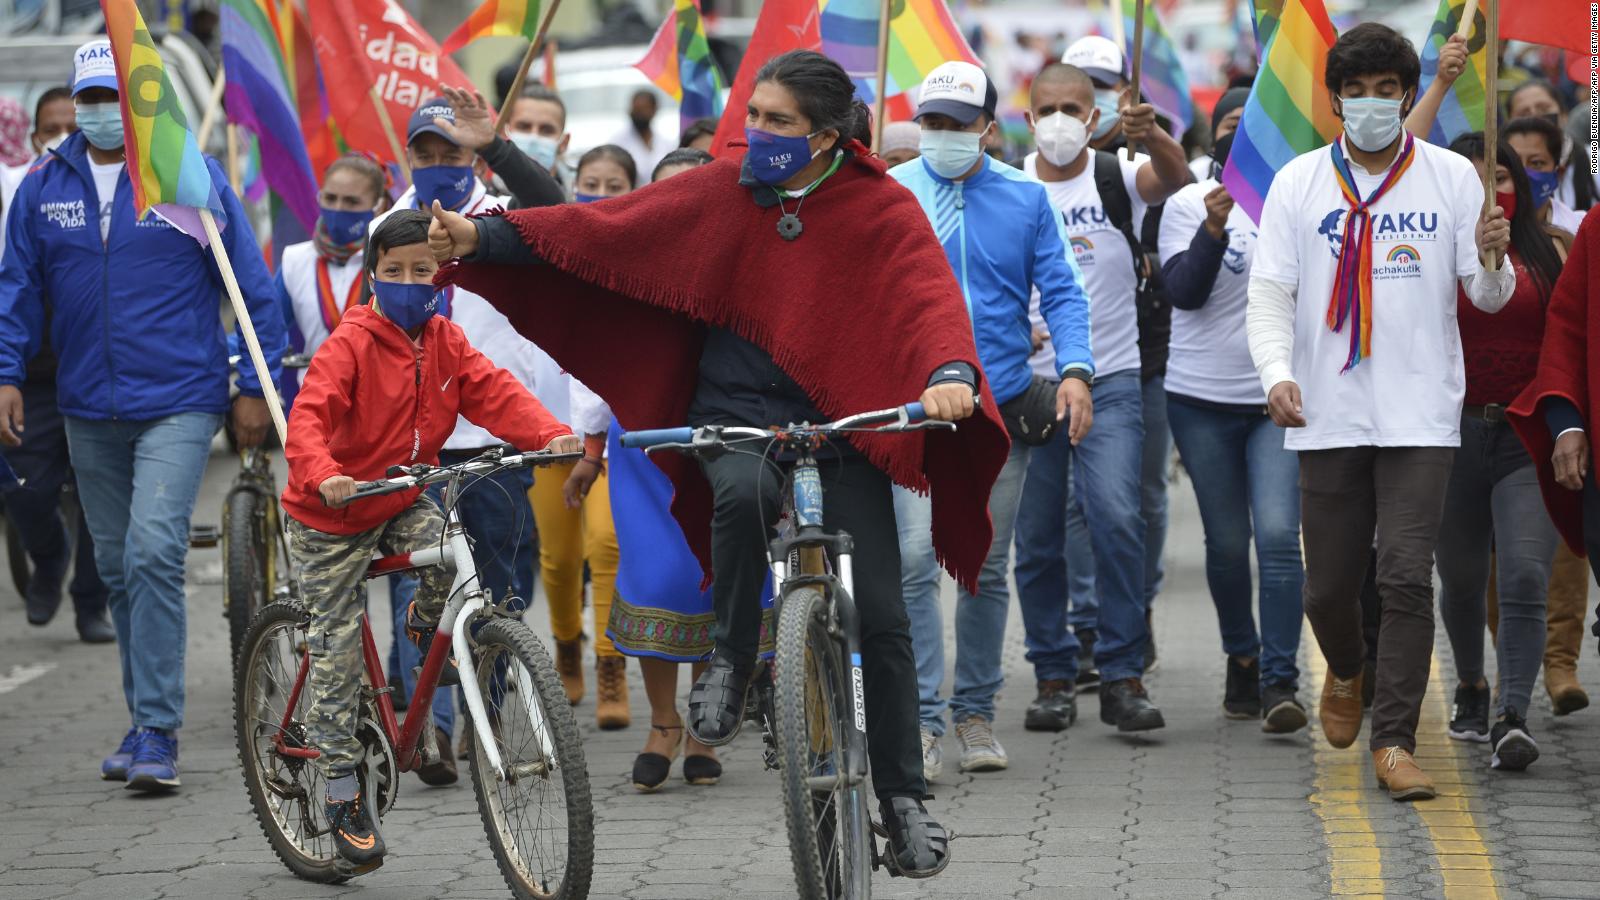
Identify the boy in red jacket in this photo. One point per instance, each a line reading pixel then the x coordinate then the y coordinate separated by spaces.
pixel 385 388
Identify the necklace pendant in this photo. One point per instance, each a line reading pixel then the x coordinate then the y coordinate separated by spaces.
pixel 789 226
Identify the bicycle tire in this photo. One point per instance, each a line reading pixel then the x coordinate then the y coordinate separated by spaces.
pixel 536 878
pixel 830 839
pixel 271 779
pixel 246 552
pixel 21 566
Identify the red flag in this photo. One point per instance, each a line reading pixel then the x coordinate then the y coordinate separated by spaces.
pixel 366 43
pixel 784 25
pixel 315 125
pixel 1554 23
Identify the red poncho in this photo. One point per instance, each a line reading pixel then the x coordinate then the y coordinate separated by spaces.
pixel 859 311
pixel 1566 369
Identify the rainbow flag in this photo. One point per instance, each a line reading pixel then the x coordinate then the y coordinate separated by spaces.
pixel 1264 17
pixel 921 36
pixel 261 99
pixel 1288 112
pixel 1461 111
pixel 1165 83
pixel 679 62
pixel 168 172
pixel 496 18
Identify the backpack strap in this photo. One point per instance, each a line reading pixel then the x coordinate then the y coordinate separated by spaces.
pixel 1119 209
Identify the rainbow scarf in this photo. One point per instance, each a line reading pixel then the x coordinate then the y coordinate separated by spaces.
pixel 1352 281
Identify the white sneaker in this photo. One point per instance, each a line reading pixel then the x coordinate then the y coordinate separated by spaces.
pixel 932 756
pixel 980 751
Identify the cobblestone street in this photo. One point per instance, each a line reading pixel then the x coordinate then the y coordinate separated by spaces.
pixel 1205 808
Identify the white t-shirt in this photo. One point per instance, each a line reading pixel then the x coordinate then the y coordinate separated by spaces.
pixel 105 185
pixel 1210 353
pixel 645 158
pixel 1408 393
pixel 1564 217
pixel 1566 192
pixel 1200 167
pixel 1106 263
pixel 10 180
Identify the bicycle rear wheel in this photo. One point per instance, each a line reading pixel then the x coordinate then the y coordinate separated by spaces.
pixel 829 836
pixel 540 819
pixel 247 554
pixel 286 792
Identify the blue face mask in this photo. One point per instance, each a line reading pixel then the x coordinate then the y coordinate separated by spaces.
pixel 588 198
pixel 537 147
pixel 1107 101
pixel 101 123
pixel 450 185
pixel 1543 185
pixel 346 226
pixel 776 158
pixel 408 305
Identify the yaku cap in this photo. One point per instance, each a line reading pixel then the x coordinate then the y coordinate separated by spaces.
pixel 422 120
pixel 1099 57
pixel 959 90
pixel 93 66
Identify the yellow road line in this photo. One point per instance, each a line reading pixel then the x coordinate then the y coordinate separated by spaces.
pixel 1465 862
pixel 1340 802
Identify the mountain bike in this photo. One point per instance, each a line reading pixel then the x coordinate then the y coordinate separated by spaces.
pixel 255 552
pixel 527 760
pixel 810 701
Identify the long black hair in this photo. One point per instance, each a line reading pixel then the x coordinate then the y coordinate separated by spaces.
pixel 618 155
pixel 825 93
pixel 1528 236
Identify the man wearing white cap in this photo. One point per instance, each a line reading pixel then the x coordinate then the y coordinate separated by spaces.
pixel 901 143
pixel 130 308
pixel 1102 60
pixel 1003 239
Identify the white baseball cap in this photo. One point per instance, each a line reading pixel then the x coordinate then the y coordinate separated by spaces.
pixel 1100 58
pixel 959 90
pixel 93 66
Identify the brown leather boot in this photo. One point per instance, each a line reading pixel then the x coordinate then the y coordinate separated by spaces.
pixel 569 665
pixel 1340 710
pixel 1399 773
pixel 1566 695
pixel 611 693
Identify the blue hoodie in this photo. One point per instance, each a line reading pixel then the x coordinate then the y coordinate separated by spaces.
pixel 1004 238
pixel 134 320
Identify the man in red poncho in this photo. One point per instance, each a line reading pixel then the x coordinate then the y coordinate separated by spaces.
pixel 800 285
pixel 1556 412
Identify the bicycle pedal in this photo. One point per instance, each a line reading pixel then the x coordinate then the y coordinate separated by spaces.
pixel 350 870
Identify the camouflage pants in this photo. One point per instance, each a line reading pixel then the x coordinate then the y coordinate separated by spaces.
pixel 332 567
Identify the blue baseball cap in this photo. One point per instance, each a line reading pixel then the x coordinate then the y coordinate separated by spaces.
pixel 422 119
pixel 93 66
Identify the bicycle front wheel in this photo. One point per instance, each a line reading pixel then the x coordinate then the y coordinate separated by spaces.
pixel 829 837
pixel 247 551
pixel 540 817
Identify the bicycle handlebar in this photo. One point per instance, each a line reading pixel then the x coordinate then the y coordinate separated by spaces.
pixel 911 417
pixel 424 475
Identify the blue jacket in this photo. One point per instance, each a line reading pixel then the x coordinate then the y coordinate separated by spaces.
pixel 134 320
pixel 1004 238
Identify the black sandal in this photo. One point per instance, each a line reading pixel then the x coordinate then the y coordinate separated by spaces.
pixel 919 847
pixel 717 702
pixel 650 770
pixel 701 770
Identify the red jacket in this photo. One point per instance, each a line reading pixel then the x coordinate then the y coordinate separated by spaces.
pixel 373 399
pixel 1567 369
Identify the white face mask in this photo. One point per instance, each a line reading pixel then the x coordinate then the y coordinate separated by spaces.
pixel 1371 123
pixel 951 154
pixel 542 150
pixel 1061 138
pixel 53 143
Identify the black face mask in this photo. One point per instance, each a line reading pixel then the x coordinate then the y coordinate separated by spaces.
pixel 641 122
pixel 1219 153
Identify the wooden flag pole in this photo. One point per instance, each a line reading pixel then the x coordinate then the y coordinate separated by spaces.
pixel 1491 105
pixel 264 374
pixel 511 96
pixel 235 179
pixel 880 88
pixel 213 111
pixel 395 147
pixel 1138 54
pixel 1468 15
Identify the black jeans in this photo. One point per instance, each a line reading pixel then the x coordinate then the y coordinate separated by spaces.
pixel 858 500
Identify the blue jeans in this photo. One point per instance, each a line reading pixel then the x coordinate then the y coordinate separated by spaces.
pixel 1072 575
pixel 1106 467
pixel 138 482
pixel 980 618
pixel 1153 483
pixel 1245 481
pixel 497 516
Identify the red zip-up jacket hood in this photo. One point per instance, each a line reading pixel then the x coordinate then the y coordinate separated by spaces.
pixel 373 399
